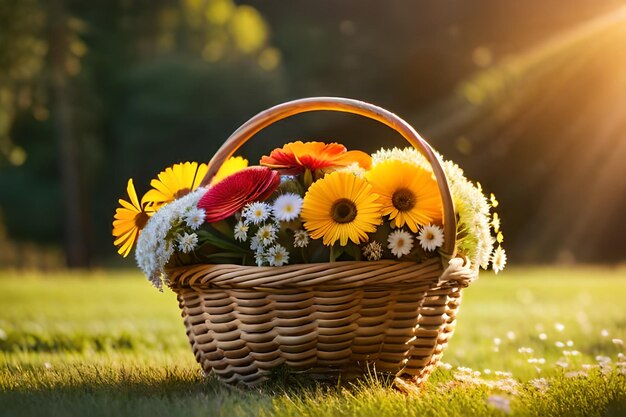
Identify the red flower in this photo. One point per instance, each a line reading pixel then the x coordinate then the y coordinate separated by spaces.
pixel 295 157
pixel 225 198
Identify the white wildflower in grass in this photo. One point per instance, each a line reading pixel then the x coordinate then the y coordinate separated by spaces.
pixel 240 231
pixel 194 218
pixel 498 259
pixel 400 243
pixel 373 251
pixel 539 361
pixel 543 336
pixel 569 343
pixel 154 249
pixel 510 335
pixel 487 371
pixel 559 344
pixel 266 234
pixel 3 335
pixel 604 333
pixel 576 374
pixel 300 239
pixel 618 342
pixel 444 365
pixel 497 341
pixel 277 255
pixel 500 403
pixel 563 363
pixel 430 237
pixel 504 374
pixel 603 360
pixel 287 207
pixel 525 350
pixel 540 384
pixel 187 242
pixel 559 327
pixel 256 212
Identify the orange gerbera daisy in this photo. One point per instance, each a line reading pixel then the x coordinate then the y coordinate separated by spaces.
pixel 296 157
pixel 229 195
pixel 129 220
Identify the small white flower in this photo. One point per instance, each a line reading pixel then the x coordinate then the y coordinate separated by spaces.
pixel 497 341
pixel 559 327
pixel 300 239
pixel 498 259
pixel 559 344
pixel 277 255
pixel 187 242
pixel 430 237
pixel 499 402
pixel 259 257
pixel 373 251
pixel 540 384
pixel 256 212
pixel 525 350
pixel 618 342
pixel 604 333
pixel 241 231
pixel 510 335
pixel 255 244
pixel 266 234
pixel 287 207
pixel 400 243
pixel 194 218
pixel 543 336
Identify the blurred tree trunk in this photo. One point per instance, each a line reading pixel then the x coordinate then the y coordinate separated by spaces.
pixel 75 221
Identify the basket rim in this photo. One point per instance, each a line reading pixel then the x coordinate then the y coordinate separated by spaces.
pixel 338 275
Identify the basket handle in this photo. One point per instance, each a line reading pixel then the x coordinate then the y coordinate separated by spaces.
pixel 345 105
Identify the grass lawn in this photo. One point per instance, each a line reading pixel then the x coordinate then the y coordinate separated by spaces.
pixel 538 341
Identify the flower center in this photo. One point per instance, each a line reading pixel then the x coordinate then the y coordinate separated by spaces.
pixel 140 220
pixel 343 211
pixel 403 199
pixel 430 236
pixel 182 192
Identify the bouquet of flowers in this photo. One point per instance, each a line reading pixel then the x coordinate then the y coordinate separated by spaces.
pixel 307 202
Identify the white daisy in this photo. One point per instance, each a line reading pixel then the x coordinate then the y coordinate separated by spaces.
pixel 300 239
pixel 195 218
pixel 287 207
pixel 256 212
pixel 259 257
pixel 241 231
pixel 400 242
pixel 373 251
pixel 277 255
pixel 187 242
pixel 255 244
pixel 498 259
pixel 266 234
pixel 430 237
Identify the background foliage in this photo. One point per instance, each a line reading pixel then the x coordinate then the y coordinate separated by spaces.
pixel 526 96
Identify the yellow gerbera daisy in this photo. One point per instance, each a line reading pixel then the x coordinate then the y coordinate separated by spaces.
pixel 175 182
pixel 232 165
pixel 339 207
pixel 408 193
pixel 129 220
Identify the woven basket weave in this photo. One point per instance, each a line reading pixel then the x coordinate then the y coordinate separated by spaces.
pixel 328 319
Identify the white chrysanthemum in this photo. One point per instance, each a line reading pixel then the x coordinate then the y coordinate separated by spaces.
pixel 187 242
pixel 400 242
pixel 153 248
pixel 430 237
pixel 410 155
pixel 287 207
pixel 194 218
pixel 300 239
pixel 266 234
pixel 373 251
pixel 256 212
pixel 277 255
pixel 354 169
pixel 240 231
pixel 498 259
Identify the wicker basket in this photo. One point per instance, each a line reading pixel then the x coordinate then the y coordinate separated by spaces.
pixel 328 319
